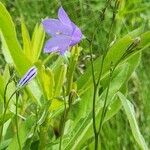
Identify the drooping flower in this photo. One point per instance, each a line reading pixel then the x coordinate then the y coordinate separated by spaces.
pixel 64 33
pixel 31 73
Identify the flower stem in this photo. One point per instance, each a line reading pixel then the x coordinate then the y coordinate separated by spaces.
pixel 94 95
pixel 104 110
pixel 5 90
pixel 63 120
pixel 4 114
pixel 17 128
pixel 65 115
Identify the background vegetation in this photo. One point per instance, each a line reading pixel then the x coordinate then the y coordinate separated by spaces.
pixel 133 14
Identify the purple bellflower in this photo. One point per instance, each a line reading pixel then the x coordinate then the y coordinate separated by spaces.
pixel 64 33
pixel 31 73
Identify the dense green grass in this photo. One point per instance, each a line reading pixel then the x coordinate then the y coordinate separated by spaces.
pixel 86 13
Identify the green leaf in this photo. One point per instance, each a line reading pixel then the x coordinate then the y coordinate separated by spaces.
pixel 5 143
pixel 32 47
pixel 37 42
pixel 11 48
pixel 71 67
pixel 59 75
pixel 46 78
pixel 26 40
pixel 129 110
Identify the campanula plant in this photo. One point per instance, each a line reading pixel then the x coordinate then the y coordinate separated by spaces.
pixel 67 105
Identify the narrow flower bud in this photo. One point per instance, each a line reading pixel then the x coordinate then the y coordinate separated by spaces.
pixel 32 72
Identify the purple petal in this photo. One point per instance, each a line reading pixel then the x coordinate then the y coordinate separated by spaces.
pixel 63 17
pixel 57 44
pixel 76 35
pixel 54 27
pixel 31 73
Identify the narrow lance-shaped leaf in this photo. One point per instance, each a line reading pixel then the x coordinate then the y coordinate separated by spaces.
pixel 71 67
pixel 37 42
pixel 11 48
pixel 60 79
pixel 129 110
pixel 26 40
pixel 46 79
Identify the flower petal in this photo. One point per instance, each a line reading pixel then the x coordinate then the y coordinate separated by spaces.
pixel 57 44
pixel 76 35
pixel 63 17
pixel 55 27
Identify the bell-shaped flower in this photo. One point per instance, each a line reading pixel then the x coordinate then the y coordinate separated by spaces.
pixel 64 33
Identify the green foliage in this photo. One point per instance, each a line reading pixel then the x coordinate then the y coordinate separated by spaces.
pixel 61 88
pixel 11 48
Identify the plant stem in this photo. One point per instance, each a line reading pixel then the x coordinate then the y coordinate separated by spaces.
pixel 5 90
pixel 96 142
pixel 104 110
pixel 71 68
pixel 94 95
pixel 4 114
pixel 63 120
pixel 17 128
pixel 105 103
pixel 96 84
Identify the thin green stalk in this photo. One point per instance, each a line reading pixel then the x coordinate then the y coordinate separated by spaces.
pixel 5 90
pixel 111 70
pixel 65 115
pixel 96 84
pixel 4 114
pixel 94 95
pixel 101 70
pixel 63 120
pixel 105 103
pixel 71 68
pixel 17 128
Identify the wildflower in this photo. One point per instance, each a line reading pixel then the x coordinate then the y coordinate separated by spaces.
pixel 63 31
pixel 31 73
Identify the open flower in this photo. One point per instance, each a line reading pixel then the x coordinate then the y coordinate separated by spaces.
pixel 63 31
pixel 31 73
